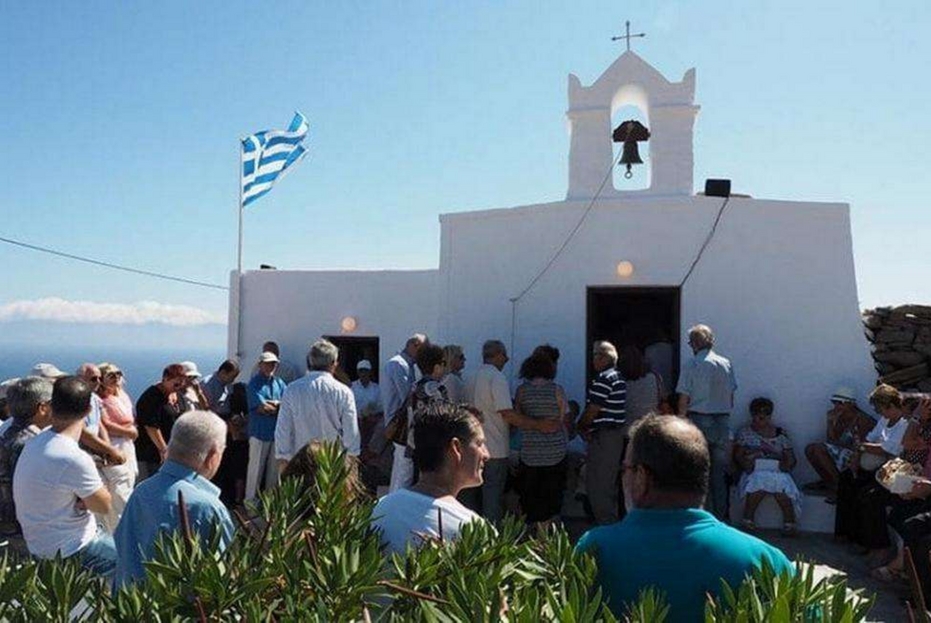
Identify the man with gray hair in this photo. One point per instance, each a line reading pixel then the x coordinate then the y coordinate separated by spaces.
pixel 29 400
pixel 706 395
pixel 396 385
pixel 316 407
pixel 198 439
pixel 603 425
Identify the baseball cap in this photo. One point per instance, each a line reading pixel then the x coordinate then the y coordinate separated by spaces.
pixel 843 394
pixel 190 369
pixel 46 371
pixel 364 364
pixel 268 357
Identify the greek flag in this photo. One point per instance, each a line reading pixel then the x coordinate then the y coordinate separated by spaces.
pixel 267 155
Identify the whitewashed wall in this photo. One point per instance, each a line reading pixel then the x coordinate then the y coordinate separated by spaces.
pixel 777 284
pixel 296 307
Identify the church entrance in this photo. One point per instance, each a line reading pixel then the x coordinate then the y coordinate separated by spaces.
pixel 352 350
pixel 645 317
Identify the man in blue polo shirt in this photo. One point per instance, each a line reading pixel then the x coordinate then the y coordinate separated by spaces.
pixel 603 425
pixel 264 394
pixel 667 541
pixel 198 439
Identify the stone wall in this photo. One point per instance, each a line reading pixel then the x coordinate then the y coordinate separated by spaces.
pixel 901 338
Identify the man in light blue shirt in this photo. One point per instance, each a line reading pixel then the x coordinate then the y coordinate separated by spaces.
pixel 396 384
pixel 667 541
pixel 706 395
pixel 264 394
pixel 198 439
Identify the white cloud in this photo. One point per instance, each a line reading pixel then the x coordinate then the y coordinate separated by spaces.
pixel 143 312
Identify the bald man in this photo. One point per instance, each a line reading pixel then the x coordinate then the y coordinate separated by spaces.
pixel 665 472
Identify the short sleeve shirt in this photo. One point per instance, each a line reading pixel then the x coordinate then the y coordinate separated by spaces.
pixel 405 517
pixel 51 476
pixel 770 447
pixel 889 436
pixel 609 392
pixel 262 389
pixel 154 410
pixel 491 394
pixel 709 382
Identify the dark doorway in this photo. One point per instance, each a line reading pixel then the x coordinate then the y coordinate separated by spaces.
pixel 352 350
pixel 647 318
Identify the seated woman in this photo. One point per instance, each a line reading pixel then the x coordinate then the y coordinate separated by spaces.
pixel 858 491
pixel 765 456
pixel 846 424
pixel 450 453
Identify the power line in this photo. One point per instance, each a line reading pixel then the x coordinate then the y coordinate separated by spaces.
pixel 572 233
pixel 559 251
pixel 704 245
pixel 127 269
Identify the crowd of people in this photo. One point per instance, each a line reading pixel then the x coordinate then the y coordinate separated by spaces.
pixel 86 472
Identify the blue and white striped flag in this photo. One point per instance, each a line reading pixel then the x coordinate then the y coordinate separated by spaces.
pixel 267 155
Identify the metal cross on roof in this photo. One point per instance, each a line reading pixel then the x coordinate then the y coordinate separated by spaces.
pixel 628 36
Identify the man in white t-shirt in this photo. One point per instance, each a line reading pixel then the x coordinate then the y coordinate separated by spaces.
pixel 57 489
pixel 490 393
pixel 450 452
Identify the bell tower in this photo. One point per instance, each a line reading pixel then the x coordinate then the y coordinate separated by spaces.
pixel 670 109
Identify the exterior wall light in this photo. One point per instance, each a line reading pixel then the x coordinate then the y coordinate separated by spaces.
pixel 348 324
pixel 625 269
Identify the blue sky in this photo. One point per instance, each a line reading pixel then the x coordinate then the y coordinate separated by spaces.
pixel 121 123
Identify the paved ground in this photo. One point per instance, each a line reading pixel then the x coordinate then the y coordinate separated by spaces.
pixel 832 558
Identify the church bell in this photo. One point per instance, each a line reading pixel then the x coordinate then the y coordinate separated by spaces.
pixel 630 133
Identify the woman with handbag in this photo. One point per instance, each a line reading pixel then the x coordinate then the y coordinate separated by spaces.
pixel 857 484
pixel 765 456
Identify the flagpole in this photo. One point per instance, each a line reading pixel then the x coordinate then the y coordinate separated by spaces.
pixel 239 209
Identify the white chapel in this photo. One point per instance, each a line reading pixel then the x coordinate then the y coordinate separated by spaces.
pixel 774 279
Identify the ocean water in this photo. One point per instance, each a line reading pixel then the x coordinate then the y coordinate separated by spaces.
pixel 141 367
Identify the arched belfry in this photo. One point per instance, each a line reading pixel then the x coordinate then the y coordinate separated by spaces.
pixel 669 108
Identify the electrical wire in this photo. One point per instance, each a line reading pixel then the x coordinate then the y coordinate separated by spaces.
pixel 127 269
pixel 707 241
pixel 559 251
pixel 572 233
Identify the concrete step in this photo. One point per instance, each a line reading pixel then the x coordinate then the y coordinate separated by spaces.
pixel 816 516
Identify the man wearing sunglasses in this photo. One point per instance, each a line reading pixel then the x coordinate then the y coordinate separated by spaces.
pixel 667 541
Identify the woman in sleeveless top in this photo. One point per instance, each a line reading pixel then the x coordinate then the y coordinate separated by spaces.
pixel 542 455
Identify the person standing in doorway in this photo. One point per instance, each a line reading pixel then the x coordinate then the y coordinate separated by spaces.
pixel 264 395
pixel 706 396
pixel 395 388
pixel 602 424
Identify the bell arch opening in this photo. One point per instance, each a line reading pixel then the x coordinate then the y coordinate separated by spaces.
pixel 631 103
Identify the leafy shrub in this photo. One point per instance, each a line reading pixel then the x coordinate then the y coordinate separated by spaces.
pixel 313 555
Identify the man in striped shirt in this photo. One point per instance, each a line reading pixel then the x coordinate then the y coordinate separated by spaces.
pixel 603 423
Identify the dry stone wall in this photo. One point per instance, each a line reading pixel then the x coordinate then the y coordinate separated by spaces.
pixel 901 339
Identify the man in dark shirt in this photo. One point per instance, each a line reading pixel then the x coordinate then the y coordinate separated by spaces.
pixel 156 411
pixel 603 425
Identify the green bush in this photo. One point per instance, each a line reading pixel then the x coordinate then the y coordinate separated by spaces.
pixel 322 561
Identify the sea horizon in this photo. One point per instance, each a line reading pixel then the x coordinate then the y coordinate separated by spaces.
pixel 142 366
